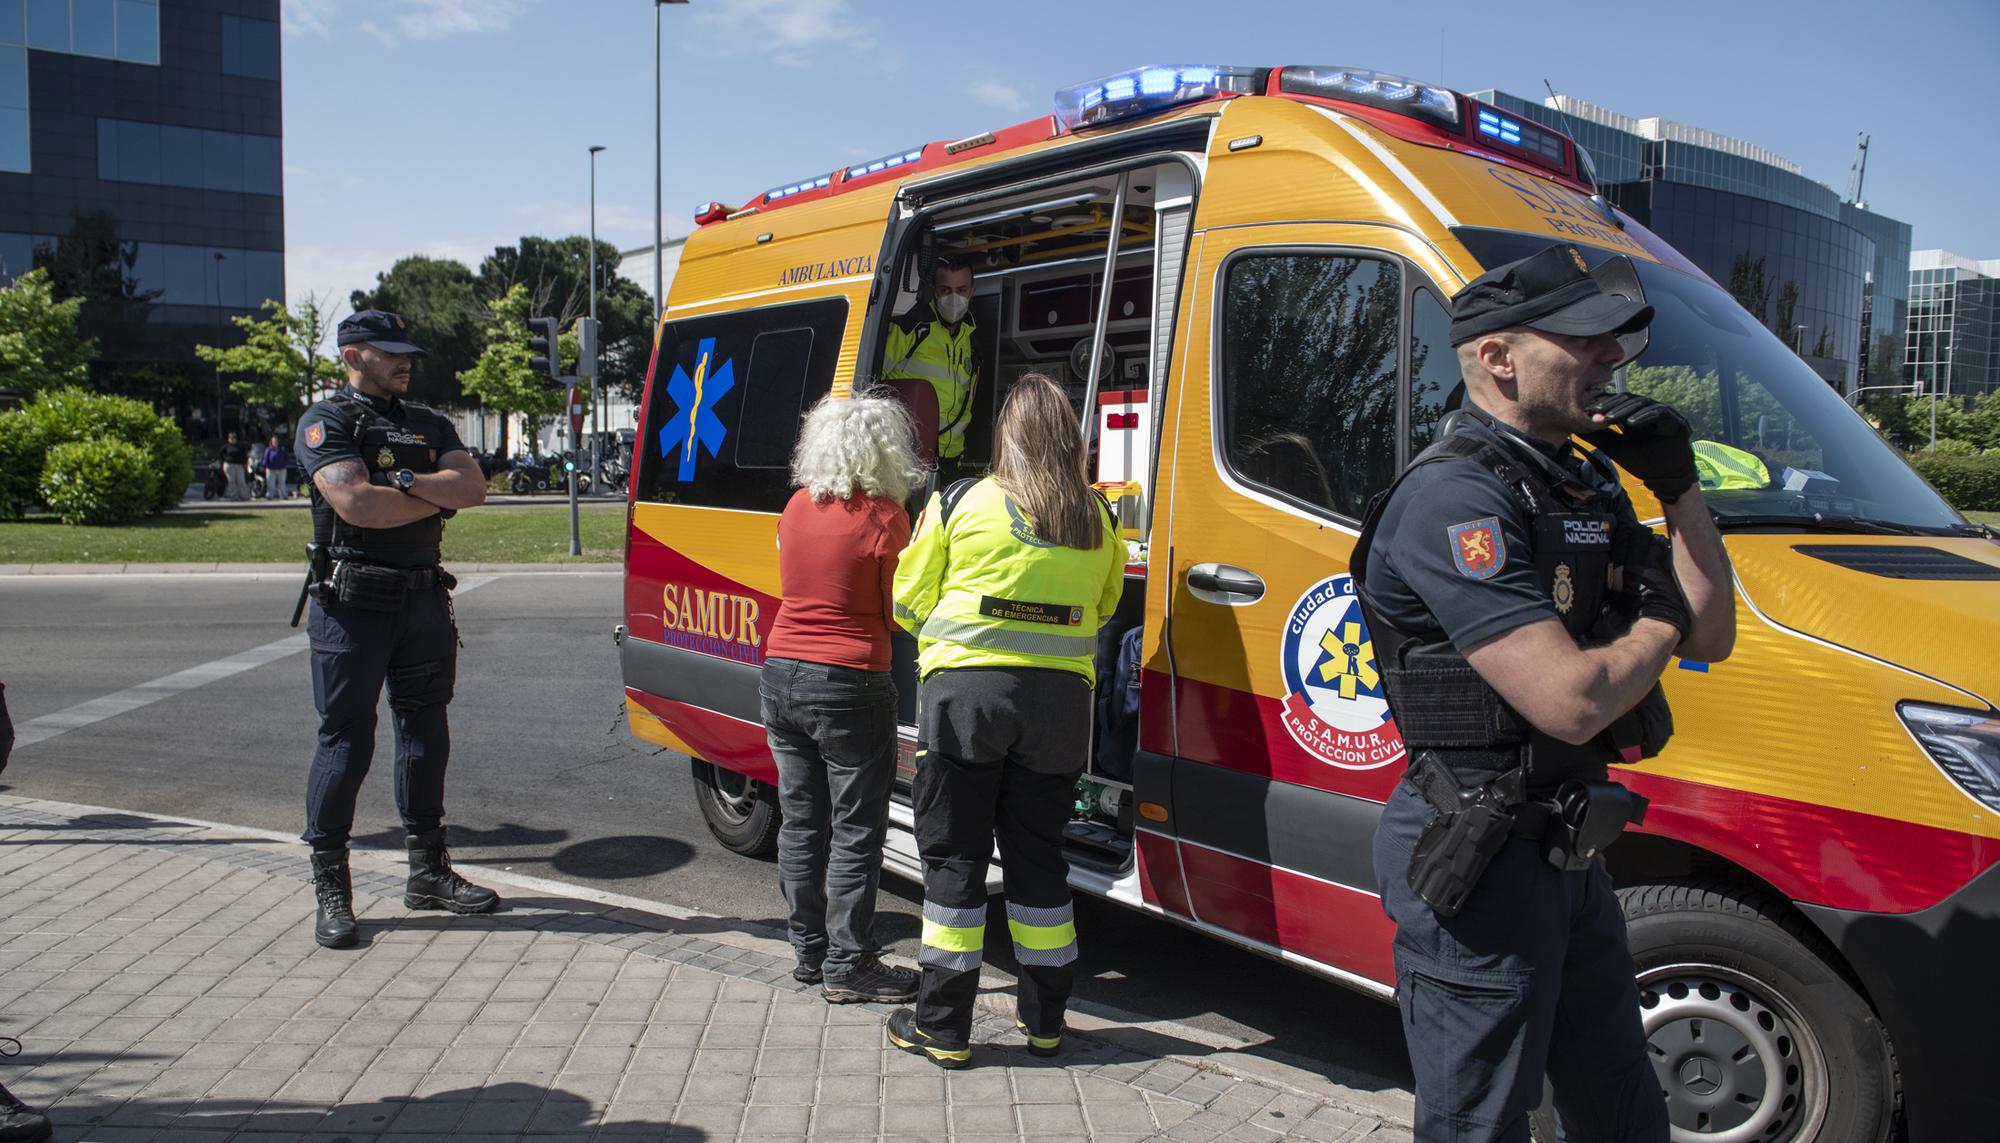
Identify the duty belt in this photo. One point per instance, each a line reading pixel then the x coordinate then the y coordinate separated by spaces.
pixel 416 579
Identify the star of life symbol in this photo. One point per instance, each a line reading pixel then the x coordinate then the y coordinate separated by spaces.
pixel 694 419
pixel 1335 707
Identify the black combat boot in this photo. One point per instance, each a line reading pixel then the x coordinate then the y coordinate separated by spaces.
pixel 19 1123
pixel 435 885
pixel 333 926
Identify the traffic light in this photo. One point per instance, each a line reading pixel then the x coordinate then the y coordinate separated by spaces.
pixel 542 345
pixel 586 347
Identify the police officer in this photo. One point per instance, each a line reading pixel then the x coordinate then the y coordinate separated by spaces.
pixel 1522 618
pixel 1004 586
pixel 385 473
pixel 933 342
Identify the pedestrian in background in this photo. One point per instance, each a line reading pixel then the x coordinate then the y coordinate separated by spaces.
pixel 276 462
pixel 235 468
pixel 1004 586
pixel 829 706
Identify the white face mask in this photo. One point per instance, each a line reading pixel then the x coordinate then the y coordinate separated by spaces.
pixel 952 307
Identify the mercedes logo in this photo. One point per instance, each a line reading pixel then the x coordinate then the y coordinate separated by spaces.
pixel 1700 1076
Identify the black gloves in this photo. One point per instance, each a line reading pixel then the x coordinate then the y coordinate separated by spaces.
pixel 1652 442
pixel 1650 589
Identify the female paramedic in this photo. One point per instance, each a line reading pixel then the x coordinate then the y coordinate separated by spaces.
pixel 1004 587
pixel 829 707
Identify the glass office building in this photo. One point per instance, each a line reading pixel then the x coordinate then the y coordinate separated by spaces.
pixel 1825 275
pixel 1954 340
pixel 141 163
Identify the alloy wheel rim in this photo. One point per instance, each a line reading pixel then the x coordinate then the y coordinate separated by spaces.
pixel 734 794
pixel 1736 1060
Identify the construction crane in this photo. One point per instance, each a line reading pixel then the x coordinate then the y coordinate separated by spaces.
pixel 1858 171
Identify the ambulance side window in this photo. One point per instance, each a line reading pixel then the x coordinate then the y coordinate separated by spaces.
pixel 1308 373
pixel 727 393
pixel 1436 385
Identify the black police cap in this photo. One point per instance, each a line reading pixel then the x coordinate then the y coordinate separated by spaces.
pixel 1552 291
pixel 385 331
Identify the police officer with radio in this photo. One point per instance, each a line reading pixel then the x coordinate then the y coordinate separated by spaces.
pixel 1521 618
pixel 385 474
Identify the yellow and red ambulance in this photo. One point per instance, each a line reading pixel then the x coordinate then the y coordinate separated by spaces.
pixel 1243 274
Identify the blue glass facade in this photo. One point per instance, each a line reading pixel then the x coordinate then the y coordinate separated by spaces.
pixel 1829 277
pixel 141 163
pixel 1954 337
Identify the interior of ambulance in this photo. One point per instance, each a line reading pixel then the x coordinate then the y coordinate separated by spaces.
pixel 1040 258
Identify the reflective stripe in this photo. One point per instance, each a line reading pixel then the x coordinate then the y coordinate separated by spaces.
pixel 929 371
pixel 954 961
pixel 1043 918
pixel 1001 639
pixel 1043 936
pixel 954 938
pixel 1050 957
pixel 972 918
pixel 901 612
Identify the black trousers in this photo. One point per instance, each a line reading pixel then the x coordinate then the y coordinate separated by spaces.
pixel 414 651
pixel 999 752
pixel 1533 977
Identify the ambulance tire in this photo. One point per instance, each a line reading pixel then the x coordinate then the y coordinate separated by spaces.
pixel 1724 969
pixel 741 812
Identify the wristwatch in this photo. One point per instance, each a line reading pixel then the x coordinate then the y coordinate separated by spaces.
pixel 403 479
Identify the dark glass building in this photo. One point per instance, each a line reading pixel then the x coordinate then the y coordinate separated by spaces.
pixel 1954 338
pixel 1826 276
pixel 141 163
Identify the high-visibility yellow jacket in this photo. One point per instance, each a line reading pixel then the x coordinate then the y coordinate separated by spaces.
pixel 1724 466
pixel 982 590
pixel 923 347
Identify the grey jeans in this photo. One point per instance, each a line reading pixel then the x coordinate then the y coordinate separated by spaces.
pixel 833 732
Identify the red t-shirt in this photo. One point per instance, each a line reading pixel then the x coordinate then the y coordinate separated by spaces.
pixel 837 567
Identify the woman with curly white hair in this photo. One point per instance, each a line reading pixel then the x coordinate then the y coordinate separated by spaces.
pixel 829 706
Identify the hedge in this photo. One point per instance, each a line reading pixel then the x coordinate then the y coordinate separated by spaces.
pixel 105 481
pixel 1968 483
pixel 61 416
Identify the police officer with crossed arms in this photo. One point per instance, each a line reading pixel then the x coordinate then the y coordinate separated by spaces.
pixel 1522 617
pixel 385 474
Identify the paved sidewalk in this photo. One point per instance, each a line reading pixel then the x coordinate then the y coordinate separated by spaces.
pixel 292 570
pixel 165 985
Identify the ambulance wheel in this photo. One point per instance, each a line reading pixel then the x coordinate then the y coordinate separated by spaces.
pixel 741 812
pixel 1754 1033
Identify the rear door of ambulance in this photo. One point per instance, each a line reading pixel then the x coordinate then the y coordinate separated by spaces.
pixel 1316 359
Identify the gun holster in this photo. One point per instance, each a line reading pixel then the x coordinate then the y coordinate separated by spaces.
pixel 1468 826
pixel 319 569
pixel 1588 817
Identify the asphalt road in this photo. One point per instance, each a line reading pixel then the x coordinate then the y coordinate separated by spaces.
pixel 545 780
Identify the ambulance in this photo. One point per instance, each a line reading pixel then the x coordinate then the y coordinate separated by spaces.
pixel 1243 275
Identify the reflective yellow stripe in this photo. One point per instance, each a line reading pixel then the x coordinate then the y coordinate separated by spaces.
pixel 950 938
pixel 1000 638
pixel 1040 937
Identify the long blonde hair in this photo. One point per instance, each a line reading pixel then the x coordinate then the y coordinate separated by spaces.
pixel 863 444
pixel 1038 459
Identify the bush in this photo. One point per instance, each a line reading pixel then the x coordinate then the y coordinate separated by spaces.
pixel 61 416
pixel 1968 483
pixel 1952 446
pixel 104 481
pixel 20 464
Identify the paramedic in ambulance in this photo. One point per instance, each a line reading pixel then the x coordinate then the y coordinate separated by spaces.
pixel 933 343
pixel 829 705
pixel 1004 586
pixel 1521 617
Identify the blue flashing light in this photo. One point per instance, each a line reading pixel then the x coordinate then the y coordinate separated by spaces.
pixel 884 163
pixel 1145 90
pixel 1396 93
pixel 797 188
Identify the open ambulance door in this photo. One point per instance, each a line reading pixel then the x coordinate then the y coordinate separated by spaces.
pixel 1317 356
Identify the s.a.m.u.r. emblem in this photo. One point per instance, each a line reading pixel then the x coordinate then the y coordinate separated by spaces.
pixel 1335 705
pixel 1477 547
pixel 694 422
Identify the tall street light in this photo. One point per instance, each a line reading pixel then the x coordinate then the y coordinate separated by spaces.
pixel 596 427
pixel 218 342
pixel 659 239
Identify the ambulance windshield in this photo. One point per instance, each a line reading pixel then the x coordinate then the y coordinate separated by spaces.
pixel 1775 444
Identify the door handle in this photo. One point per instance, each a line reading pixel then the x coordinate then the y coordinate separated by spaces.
pixel 1226 583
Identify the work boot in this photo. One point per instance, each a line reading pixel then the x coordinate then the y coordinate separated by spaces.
pixel 1043 1046
pixel 904 1033
pixel 333 925
pixel 868 979
pixel 20 1123
pixel 434 884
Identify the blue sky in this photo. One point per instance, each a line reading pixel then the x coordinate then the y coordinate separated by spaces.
pixel 448 127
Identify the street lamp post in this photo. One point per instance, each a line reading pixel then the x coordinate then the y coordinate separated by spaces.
pixel 596 428
pixel 218 342
pixel 659 239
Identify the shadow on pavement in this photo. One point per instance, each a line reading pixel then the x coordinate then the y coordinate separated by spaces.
pixel 499 1109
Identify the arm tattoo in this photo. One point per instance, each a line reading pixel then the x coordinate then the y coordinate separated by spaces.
pixel 342 472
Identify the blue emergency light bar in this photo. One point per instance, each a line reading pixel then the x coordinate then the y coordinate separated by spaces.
pixel 1144 90
pixel 884 163
pixel 797 188
pixel 1536 140
pixel 1380 89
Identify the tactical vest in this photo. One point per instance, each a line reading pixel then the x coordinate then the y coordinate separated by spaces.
pixel 927 349
pixel 411 545
pixel 1441 705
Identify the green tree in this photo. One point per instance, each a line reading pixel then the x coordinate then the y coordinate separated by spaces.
pixel 555 272
pixel 280 360
pixel 447 314
pixel 40 347
pixel 501 378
